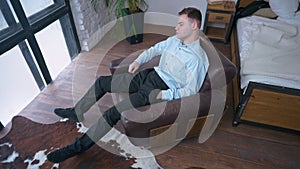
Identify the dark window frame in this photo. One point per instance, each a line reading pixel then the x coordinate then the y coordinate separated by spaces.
pixel 17 33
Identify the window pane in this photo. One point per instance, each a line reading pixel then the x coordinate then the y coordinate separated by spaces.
pixel 9 19
pixel 33 6
pixel 54 49
pixel 3 23
pixel 17 87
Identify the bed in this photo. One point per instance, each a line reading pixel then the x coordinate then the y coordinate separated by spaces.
pixel 267 89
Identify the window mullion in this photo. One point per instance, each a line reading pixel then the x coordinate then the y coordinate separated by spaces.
pixel 32 66
pixel 7 13
pixel 31 40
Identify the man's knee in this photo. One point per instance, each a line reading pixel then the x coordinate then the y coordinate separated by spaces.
pixel 139 99
pixel 103 83
pixel 112 116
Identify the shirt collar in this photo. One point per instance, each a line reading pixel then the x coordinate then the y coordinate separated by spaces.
pixel 192 45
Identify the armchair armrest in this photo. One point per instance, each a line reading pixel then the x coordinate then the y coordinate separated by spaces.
pixel 170 109
pixel 164 113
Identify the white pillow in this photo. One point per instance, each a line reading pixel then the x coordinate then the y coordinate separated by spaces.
pixel 286 10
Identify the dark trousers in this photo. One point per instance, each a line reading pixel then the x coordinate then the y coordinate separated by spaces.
pixel 143 88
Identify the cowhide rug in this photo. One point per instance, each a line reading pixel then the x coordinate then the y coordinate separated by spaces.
pixel 28 143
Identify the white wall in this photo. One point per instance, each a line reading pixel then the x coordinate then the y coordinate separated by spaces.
pixel 164 12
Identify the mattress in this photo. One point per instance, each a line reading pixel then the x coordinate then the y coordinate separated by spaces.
pixel 276 61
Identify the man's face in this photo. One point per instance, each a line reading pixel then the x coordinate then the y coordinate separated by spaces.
pixel 184 27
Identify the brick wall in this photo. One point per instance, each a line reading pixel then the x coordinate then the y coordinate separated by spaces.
pixel 91 25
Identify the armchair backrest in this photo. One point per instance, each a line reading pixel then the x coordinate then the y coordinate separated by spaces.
pixel 221 70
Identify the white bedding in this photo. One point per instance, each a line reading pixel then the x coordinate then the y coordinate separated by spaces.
pixel 269 52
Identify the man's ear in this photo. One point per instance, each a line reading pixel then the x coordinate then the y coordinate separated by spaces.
pixel 195 25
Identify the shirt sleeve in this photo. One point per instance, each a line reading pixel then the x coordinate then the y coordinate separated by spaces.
pixel 153 51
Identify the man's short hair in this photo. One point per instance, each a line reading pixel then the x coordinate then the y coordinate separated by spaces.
pixel 192 13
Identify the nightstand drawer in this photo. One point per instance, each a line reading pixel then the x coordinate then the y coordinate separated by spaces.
pixel 219 20
pixel 219 17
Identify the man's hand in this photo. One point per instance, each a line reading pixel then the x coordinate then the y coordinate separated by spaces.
pixel 133 67
pixel 159 95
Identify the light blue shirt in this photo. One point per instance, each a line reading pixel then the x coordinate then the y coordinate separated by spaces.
pixel 181 67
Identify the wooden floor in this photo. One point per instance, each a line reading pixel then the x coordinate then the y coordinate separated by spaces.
pixel 242 147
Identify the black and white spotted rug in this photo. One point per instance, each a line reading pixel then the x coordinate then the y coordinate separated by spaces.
pixel 28 143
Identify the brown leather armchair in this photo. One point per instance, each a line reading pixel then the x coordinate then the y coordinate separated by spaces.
pixel 171 121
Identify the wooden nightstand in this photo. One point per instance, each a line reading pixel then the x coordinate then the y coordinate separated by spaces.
pixel 218 21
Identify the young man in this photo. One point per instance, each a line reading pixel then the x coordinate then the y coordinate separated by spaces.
pixel 181 72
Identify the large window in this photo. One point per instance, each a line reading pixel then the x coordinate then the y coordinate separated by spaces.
pixel 37 40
